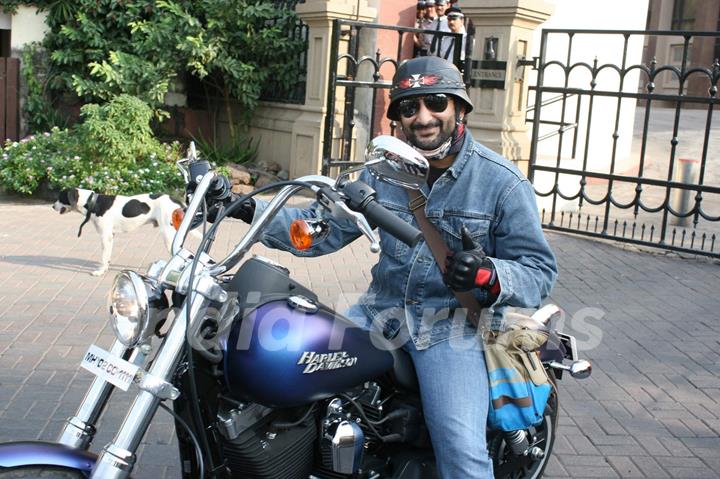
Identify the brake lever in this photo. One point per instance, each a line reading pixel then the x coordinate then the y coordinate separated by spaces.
pixel 335 203
pixel 363 225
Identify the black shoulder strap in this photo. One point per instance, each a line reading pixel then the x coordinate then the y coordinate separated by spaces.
pixel 440 251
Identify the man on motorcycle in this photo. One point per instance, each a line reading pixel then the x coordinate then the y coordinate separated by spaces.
pixel 469 189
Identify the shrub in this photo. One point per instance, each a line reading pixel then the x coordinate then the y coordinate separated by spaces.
pixel 113 151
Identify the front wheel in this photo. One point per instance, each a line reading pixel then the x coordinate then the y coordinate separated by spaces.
pixel 40 472
pixel 509 466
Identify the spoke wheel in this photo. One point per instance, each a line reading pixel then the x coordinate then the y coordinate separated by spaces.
pixel 509 466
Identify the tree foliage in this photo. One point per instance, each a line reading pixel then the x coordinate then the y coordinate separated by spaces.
pixel 102 48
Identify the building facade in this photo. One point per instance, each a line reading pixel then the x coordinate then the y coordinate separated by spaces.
pixel 683 15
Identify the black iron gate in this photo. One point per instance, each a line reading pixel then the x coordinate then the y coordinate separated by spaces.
pixel 359 74
pixel 627 150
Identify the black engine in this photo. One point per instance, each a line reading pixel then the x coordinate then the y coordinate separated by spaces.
pixel 258 443
pixel 346 436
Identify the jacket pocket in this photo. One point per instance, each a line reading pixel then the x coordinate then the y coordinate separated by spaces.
pixel 479 227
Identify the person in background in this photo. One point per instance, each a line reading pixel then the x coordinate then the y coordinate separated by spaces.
pixel 440 8
pixel 440 25
pixel 420 13
pixel 455 20
pixel 424 40
pixel 420 50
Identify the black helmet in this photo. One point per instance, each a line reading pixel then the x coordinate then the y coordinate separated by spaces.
pixel 424 75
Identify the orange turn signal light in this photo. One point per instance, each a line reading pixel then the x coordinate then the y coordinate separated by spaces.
pixel 301 234
pixel 305 233
pixel 177 216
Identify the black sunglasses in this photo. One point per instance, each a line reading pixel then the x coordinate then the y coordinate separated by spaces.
pixel 436 103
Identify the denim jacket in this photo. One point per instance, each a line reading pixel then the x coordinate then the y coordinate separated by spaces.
pixel 482 191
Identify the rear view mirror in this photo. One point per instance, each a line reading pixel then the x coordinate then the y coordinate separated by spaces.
pixel 393 161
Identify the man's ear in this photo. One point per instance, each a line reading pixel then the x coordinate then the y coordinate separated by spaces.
pixel 460 115
pixel 459 111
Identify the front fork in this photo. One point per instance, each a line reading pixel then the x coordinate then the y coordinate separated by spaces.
pixel 117 458
pixel 79 429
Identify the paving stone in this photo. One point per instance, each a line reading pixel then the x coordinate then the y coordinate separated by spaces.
pixel 652 445
pixel 691 472
pixel 650 467
pixel 651 408
pixel 613 440
pixel 585 472
pixel 624 466
pixel 582 445
pixel 555 469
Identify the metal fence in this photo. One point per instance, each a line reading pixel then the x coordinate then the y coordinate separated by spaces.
pixel 615 157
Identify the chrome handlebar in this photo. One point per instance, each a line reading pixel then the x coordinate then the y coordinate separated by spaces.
pixel 339 211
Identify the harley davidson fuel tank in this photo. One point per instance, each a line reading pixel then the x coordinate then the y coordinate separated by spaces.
pixel 289 350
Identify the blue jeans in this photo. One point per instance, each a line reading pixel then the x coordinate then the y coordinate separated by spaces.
pixel 454 392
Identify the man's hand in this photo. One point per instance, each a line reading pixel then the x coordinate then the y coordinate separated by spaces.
pixel 219 197
pixel 470 268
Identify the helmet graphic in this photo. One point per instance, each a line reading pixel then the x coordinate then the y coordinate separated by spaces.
pixel 425 75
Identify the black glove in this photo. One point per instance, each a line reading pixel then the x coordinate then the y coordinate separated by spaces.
pixel 470 268
pixel 220 196
pixel 246 210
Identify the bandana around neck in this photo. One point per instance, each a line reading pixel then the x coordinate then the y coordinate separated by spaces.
pixel 451 146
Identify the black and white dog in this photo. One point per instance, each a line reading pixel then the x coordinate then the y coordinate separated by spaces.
pixel 119 214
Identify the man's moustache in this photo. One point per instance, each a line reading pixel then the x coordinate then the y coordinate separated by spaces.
pixel 428 125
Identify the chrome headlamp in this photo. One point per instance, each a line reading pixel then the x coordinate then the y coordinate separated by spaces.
pixel 129 304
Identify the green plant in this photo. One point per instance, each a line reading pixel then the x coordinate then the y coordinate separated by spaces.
pixel 237 46
pixel 38 108
pixel 113 151
pixel 60 10
pixel 119 129
pixel 97 56
pixel 239 151
pixel 102 48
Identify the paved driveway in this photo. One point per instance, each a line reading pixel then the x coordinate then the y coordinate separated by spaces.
pixel 650 323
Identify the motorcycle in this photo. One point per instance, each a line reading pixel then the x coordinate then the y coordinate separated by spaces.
pixel 343 403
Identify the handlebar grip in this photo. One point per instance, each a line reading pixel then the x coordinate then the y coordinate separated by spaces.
pixel 390 222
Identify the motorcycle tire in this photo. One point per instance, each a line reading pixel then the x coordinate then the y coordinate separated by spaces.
pixel 41 472
pixel 510 466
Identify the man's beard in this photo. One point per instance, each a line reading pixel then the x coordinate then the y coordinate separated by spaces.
pixel 429 144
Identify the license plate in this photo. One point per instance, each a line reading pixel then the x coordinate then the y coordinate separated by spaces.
pixel 115 370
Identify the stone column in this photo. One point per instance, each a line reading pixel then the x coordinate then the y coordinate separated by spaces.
pixel 307 130
pixel 498 120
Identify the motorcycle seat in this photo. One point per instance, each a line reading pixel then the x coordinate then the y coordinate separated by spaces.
pixel 403 371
